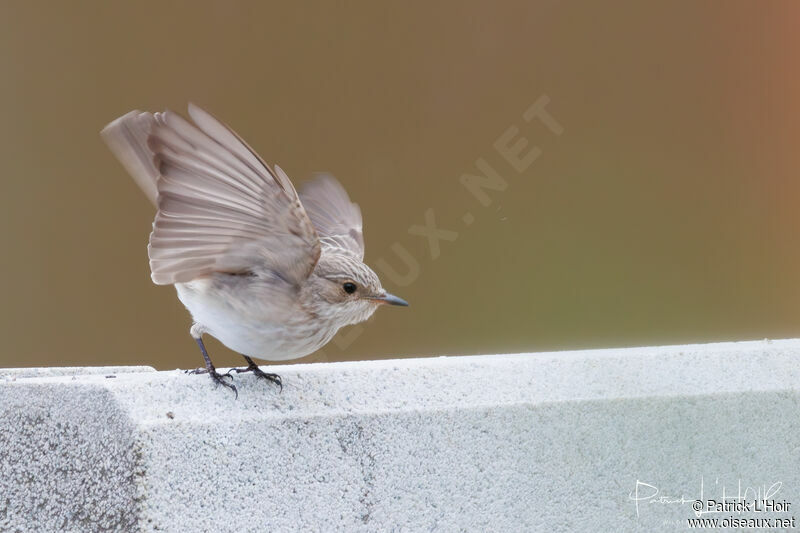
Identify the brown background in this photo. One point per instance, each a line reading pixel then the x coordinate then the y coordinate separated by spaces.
pixel 665 213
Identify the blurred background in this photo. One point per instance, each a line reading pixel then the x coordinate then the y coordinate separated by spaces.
pixel 666 211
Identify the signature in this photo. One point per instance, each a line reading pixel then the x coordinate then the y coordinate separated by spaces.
pixel 651 494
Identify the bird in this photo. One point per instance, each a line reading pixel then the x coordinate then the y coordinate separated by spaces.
pixel 271 273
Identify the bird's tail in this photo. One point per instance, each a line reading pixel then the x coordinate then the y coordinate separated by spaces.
pixel 127 139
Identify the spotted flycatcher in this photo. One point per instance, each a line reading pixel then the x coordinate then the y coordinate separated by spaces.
pixel 271 273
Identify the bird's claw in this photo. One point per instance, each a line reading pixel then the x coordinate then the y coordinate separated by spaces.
pixel 274 378
pixel 205 371
pixel 216 377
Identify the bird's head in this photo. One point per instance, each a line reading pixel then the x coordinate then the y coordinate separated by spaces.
pixel 346 290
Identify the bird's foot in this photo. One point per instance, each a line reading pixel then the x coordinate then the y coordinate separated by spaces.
pixel 252 367
pixel 216 377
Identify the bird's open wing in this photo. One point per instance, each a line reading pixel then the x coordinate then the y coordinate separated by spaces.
pixel 336 219
pixel 220 207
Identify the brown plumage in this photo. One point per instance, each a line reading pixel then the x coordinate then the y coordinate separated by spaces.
pixel 271 273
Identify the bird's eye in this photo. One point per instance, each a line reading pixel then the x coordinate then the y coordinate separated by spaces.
pixel 349 287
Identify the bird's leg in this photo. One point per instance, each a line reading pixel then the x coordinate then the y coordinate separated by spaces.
pixel 252 367
pixel 215 376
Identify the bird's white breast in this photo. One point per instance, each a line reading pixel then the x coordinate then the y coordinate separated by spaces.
pixel 252 319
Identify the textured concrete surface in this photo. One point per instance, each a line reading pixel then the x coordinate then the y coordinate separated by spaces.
pixel 10 374
pixel 525 442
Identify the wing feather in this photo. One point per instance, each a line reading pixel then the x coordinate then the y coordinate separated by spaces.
pixel 336 219
pixel 126 137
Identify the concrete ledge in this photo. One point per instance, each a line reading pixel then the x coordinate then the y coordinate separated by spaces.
pixel 527 442
pixel 12 374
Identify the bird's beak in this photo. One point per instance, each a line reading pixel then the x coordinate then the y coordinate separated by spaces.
pixel 391 299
